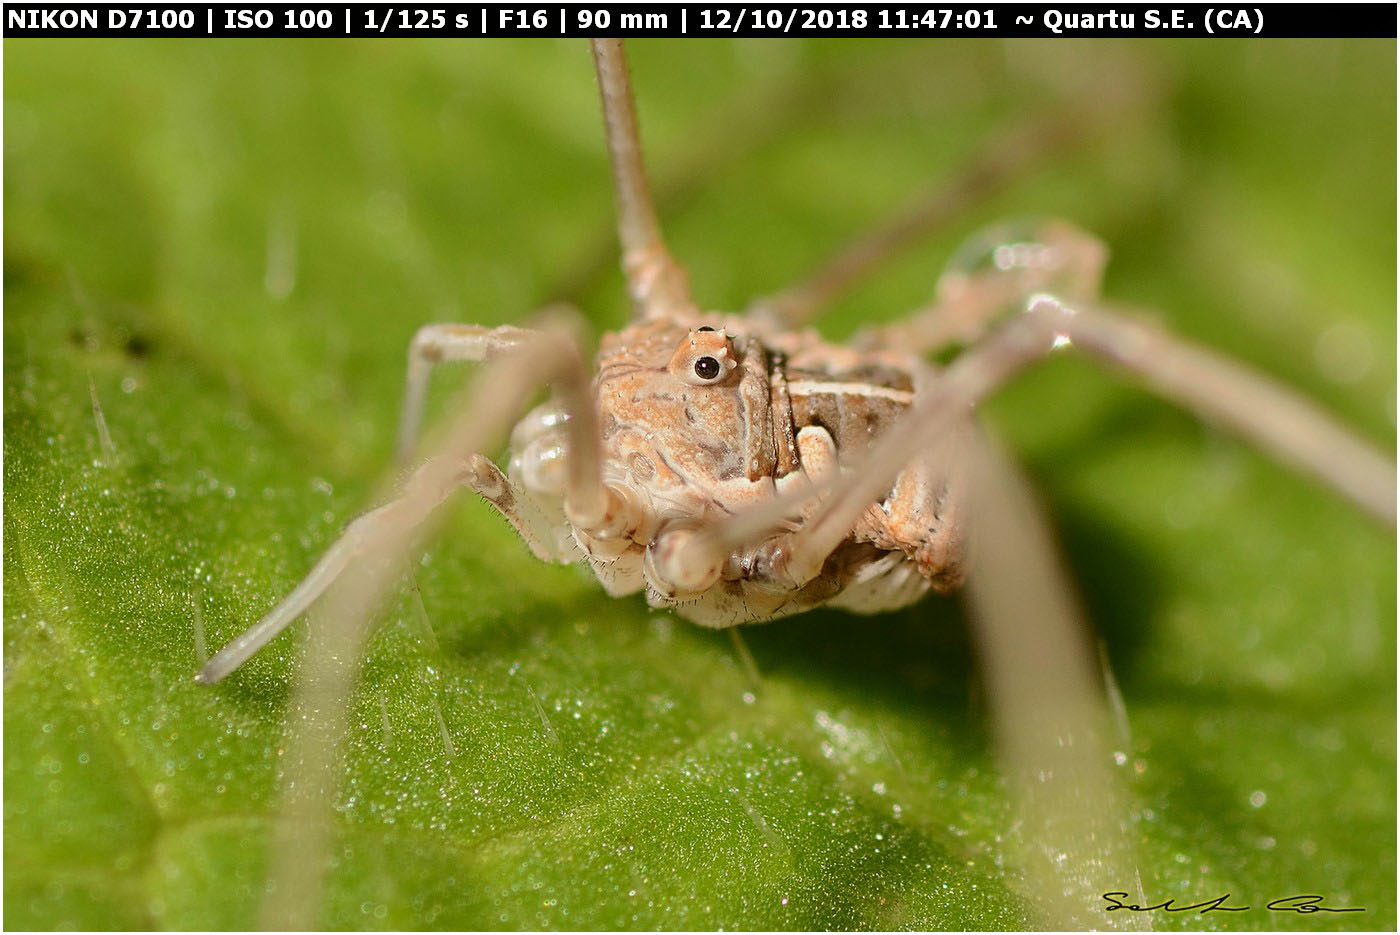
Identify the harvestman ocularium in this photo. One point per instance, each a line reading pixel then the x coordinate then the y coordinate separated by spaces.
pixel 738 469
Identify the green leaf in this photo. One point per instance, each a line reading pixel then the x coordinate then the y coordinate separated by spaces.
pixel 228 245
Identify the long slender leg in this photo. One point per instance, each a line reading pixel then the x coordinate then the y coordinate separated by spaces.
pixel 1047 703
pixel 1253 406
pixel 387 530
pixel 658 284
pixel 1258 408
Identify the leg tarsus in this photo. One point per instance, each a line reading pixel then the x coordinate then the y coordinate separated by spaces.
pixel 321 577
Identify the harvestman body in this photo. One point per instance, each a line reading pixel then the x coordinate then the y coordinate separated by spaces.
pixel 739 469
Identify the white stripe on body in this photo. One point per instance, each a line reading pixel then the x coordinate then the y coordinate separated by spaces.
pixel 815 388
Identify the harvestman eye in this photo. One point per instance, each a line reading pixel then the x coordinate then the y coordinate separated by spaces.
pixel 706 368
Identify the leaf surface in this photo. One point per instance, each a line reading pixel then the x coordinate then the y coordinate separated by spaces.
pixel 227 246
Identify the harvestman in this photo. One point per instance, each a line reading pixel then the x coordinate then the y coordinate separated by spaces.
pixel 738 469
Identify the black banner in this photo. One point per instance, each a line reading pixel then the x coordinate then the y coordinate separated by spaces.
pixel 448 20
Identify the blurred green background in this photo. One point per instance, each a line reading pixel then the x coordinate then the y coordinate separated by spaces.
pixel 229 244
